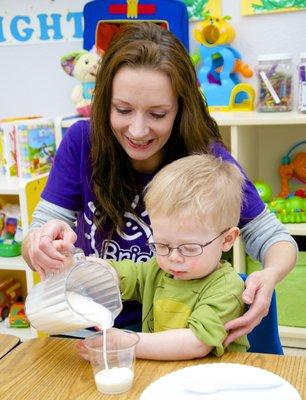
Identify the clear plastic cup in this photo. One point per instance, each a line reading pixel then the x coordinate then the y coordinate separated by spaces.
pixel 112 358
pixel 84 294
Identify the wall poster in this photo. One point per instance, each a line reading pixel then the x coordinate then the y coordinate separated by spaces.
pixel 251 7
pixel 196 7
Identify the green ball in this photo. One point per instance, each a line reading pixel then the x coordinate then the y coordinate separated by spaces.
pixel 264 190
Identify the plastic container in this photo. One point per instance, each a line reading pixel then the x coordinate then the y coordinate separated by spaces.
pixel 274 73
pixel 85 294
pixel 302 83
pixel 9 248
pixel 112 358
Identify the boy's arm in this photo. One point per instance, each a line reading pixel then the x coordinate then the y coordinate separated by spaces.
pixel 174 344
pixel 129 275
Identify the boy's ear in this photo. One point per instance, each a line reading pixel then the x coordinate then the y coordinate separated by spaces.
pixel 229 238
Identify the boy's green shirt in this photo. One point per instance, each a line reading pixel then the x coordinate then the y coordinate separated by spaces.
pixel 203 305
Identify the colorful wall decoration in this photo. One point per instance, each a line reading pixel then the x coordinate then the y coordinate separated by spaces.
pixel 251 7
pixel 28 21
pixel 196 7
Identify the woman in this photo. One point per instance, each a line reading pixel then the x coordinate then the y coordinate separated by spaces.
pixel 147 111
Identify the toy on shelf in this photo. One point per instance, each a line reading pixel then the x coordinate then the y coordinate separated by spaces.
pixel 288 210
pixel 103 18
pixel 10 230
pixel 10 292
pixel 264 190
pixel 17 317
pixel 290 205
pixel 293 169
pixel 220 66
pixel 83 66
pixel 28 146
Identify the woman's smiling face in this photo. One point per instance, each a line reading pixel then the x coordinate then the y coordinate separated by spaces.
pixel 143 110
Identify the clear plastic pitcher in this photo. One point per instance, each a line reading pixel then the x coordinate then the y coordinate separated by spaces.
pixel 84 294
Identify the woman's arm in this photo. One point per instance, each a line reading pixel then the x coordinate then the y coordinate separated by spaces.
pixel 262 232
pixel 50 231
pixel 268 240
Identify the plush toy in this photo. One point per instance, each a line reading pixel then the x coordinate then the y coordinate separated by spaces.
pixel 83 66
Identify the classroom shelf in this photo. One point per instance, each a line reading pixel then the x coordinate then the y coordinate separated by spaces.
pixel 26 193
pixel 10 186
pixel 23 333
pixel 258 141
pixel 13 263
pixel 296 229
pixel 252 118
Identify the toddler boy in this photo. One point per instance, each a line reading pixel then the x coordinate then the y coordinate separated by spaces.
pixel 187 292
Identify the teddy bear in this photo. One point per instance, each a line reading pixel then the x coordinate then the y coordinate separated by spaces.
pixel 82 65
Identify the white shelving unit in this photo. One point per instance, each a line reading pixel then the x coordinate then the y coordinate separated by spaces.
pixel 26 193
pixel 23 333
pixel 258 141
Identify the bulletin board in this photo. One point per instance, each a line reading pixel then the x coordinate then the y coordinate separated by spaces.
pixel 251 7
pixel 195 8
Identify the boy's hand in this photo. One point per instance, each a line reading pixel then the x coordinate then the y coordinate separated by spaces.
pixel 81 349
pixel 96 342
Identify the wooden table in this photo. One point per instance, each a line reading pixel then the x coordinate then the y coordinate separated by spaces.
pixel 7 343
pixel 50 369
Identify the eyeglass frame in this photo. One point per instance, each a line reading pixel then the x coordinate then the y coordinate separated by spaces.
pixel 170 249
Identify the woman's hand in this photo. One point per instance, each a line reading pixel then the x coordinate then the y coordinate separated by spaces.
pixel 258 293
pixel 43 246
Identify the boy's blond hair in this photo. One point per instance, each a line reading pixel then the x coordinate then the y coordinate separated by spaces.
pixel 199 186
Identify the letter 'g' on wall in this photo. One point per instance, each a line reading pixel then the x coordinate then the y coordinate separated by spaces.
pixel 17 30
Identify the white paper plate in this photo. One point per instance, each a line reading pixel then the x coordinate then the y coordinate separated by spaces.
pixel 173 385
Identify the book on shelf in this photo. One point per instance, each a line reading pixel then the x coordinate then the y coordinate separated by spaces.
pixel 27 146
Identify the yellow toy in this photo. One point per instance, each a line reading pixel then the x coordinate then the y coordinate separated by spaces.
pixel 221 64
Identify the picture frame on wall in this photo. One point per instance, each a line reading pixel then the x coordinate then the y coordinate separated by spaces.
pixel 196 8
pixel 252 7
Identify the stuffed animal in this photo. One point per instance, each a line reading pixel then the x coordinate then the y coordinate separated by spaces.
pixel 83 66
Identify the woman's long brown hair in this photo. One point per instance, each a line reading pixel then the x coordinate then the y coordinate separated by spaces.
pixel 147 45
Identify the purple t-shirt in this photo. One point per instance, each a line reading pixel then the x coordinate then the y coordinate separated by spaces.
pixel 69 186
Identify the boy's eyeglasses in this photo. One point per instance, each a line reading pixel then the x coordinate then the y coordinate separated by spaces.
pixel 185 249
